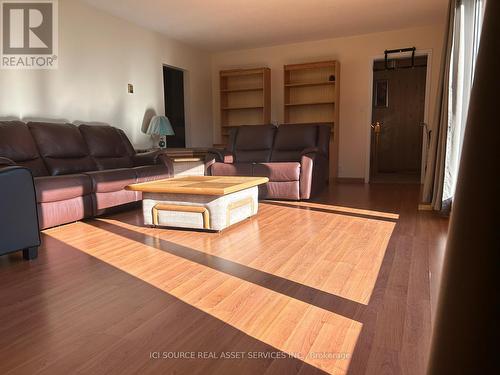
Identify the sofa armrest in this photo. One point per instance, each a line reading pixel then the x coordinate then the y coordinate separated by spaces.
pixel 146 158
pixel 19 218
pixel 313 173
pixel 312 150
pixel 217 156
pixel 5 162
pixel 164 159
pixel 221 156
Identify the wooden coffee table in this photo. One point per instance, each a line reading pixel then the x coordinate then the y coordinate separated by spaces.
pixel 199 202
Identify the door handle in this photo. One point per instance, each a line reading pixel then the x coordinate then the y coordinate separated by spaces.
pixel 377 127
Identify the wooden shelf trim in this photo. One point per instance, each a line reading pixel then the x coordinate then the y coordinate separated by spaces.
pixel 315 65
pixel 241 72
pixel 242 107
pixel 245 98
pixel 242 89
pixel 310 97
pixel 305 84
pixel 308 103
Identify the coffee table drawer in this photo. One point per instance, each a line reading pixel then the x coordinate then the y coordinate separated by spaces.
pixel 199 211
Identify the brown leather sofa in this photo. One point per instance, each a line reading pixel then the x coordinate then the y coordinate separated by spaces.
pixel 79 172
pixel 293 157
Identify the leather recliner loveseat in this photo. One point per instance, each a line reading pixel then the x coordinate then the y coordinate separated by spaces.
pixel 293 157
pixel 79 171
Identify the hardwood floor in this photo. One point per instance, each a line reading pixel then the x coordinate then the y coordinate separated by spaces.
pixel 344 284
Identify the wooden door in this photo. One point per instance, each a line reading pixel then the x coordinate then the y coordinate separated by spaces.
pixel 398 108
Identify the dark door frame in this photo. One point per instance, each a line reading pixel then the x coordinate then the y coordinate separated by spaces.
pixel 187 117
pixel 368 133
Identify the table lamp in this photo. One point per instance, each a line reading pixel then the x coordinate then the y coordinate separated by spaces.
pixel 161 126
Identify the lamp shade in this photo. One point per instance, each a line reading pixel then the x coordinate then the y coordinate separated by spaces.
pixel 160 125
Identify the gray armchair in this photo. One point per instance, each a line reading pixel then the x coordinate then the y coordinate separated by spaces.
pixel 18 211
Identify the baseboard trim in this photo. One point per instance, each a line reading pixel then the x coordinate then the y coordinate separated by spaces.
pixel 349 180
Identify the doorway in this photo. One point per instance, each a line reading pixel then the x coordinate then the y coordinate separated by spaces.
pixel 173 87
pixel 398 110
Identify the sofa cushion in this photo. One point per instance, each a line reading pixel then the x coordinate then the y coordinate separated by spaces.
pixel 126 142
pixel 62 148
pixel 253 156
pixel 106 146
pixel 147 158
pixel 151 173
pixel 17 144
pixel 291 140
pixel 51 214
pixel 253 143
pixel 280 190
pixel 238 169
pixel 112 180
pixel 255 137
pixel 6 162
pixel 278 171
pixel 115 201
pixel 58 188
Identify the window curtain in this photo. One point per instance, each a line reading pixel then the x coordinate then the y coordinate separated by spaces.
pixel 457 74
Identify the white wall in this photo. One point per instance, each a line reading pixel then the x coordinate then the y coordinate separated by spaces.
pixel 98 56
pixel 355 55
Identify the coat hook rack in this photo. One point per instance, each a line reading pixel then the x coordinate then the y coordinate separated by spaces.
pixel 387 52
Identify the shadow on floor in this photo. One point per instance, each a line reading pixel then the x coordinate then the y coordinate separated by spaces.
pixel 331 211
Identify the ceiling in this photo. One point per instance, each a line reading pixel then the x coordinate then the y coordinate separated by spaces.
pixel 218 25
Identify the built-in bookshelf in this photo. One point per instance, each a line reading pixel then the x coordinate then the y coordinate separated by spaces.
pixel 245 98
pixel 312 96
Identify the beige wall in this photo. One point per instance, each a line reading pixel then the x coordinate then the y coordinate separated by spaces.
pixel 98 56
pixel 355 55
